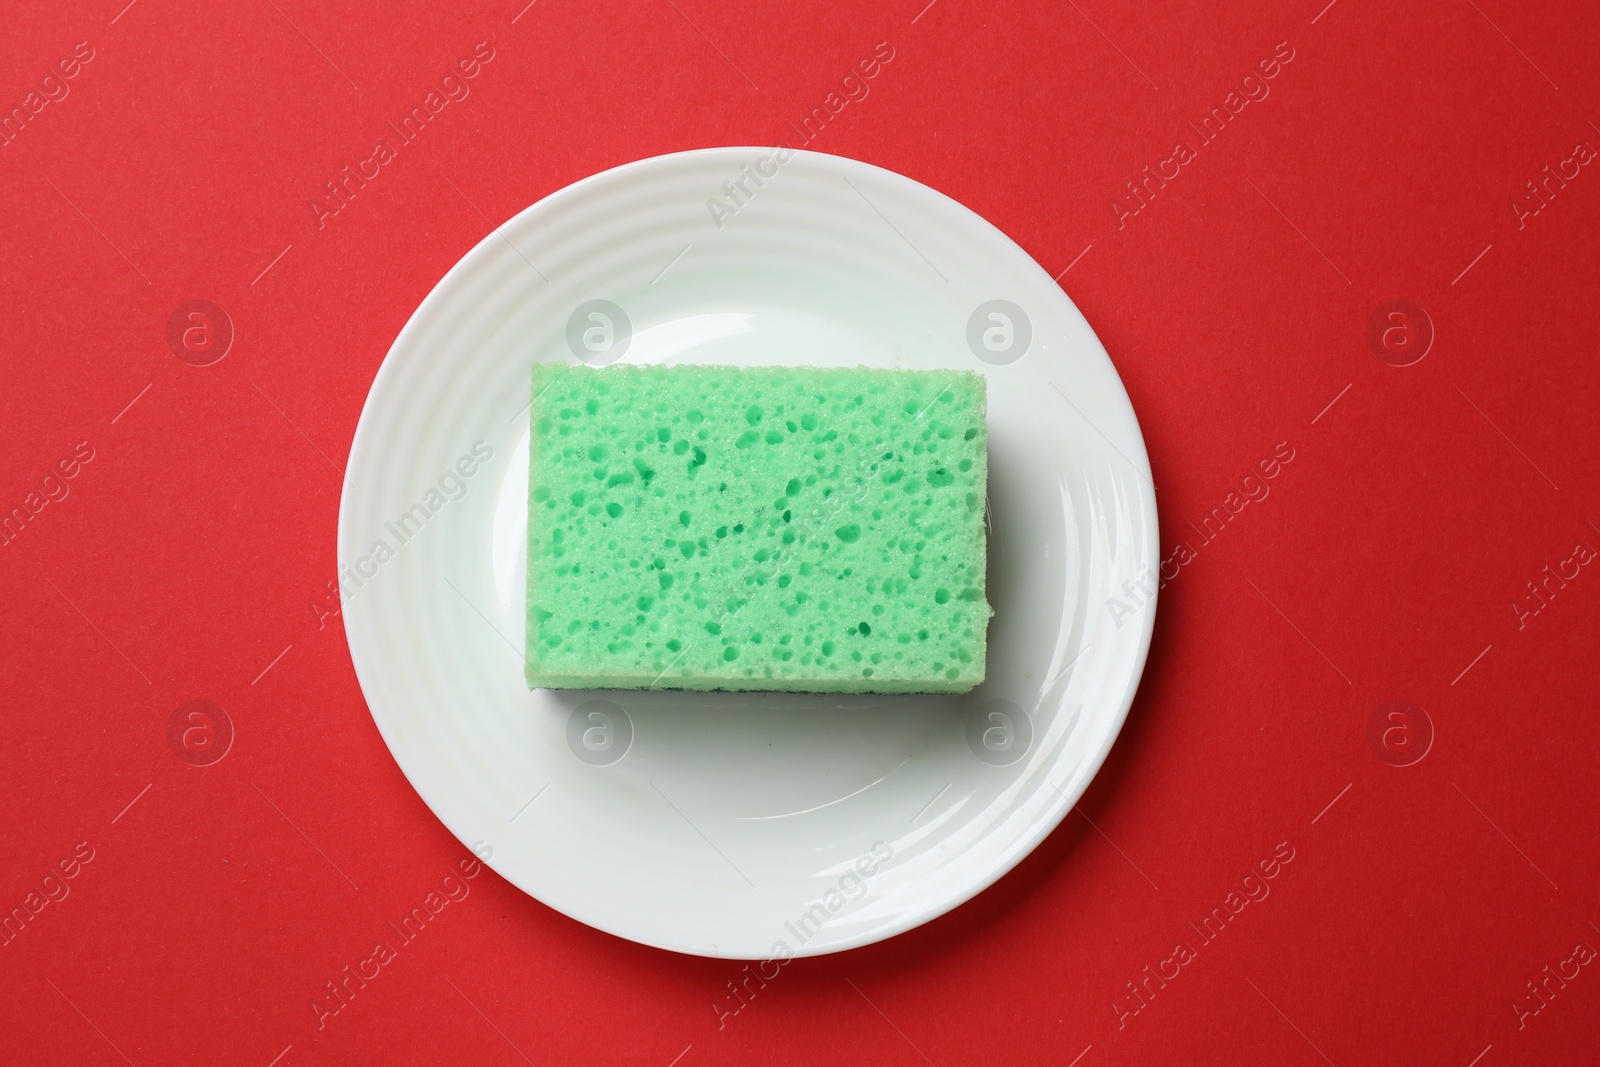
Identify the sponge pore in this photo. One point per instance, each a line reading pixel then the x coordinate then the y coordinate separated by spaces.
pixel 797 529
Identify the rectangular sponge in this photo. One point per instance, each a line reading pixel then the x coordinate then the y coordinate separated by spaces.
pixel 799 529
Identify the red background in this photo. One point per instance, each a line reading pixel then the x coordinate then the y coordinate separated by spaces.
pixel 1383 566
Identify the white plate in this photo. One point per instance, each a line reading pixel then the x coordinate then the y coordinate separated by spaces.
pixel 745 825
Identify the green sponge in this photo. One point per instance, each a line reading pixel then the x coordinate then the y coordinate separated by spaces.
pixel 782 528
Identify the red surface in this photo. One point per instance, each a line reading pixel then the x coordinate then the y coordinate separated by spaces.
pixel 1382 566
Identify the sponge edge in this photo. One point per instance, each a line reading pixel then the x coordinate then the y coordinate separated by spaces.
pixel 796 529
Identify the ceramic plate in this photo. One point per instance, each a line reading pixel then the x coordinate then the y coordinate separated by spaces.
pixel 745 825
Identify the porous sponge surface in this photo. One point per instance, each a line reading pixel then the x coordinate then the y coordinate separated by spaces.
pixel 800 529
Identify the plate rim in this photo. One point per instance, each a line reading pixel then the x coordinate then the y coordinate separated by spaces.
pixel 1056 807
